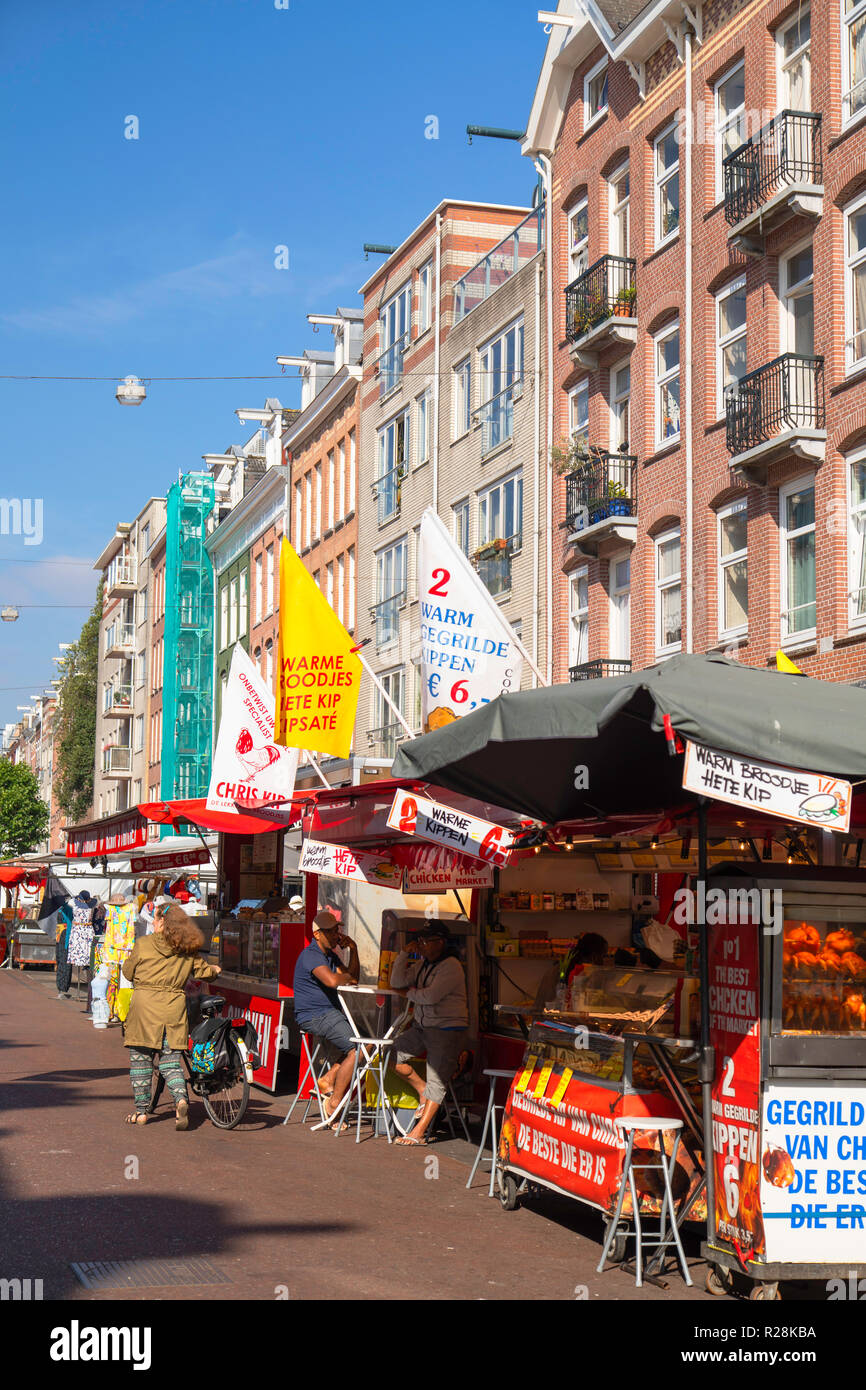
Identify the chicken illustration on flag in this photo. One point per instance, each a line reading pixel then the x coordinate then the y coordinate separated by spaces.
pixel 249 769
pixel 254 759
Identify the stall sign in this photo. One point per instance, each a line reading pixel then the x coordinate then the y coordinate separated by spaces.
pixel 266 1016
pixel 469 653
pixel 91 842
pixel 338 861
pixel 183 859
pixel 813 1179
pixel 249 768
pixel 421 880
pixel 807 797
pixel 734 1004
pixel 573 1144
pixel 430 820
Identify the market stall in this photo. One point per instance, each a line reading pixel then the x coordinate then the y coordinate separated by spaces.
pixel 23 941
pixel 781 1042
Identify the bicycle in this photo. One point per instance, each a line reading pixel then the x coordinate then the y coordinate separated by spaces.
pixel 225 1092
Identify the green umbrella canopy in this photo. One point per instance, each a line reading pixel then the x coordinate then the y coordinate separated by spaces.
pixel 526 751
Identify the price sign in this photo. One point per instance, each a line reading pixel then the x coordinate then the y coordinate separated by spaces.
pixel 442 825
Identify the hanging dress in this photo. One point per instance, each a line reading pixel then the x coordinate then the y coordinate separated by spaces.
pixel 80 935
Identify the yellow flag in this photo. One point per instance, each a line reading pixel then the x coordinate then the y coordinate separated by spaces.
pixel 318 675
pixel 783 663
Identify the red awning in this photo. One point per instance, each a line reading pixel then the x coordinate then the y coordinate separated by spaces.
pixel 117 834
pixel 181 813
pixel 12 874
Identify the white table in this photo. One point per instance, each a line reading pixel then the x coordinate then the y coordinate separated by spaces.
pixel 370 1056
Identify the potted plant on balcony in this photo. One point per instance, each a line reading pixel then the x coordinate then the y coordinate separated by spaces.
pixel 624 305
pixel 590 312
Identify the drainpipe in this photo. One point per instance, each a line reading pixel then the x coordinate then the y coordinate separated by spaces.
pixel 542 164
pixel 436 363
pixel 536 481
pixel 687 340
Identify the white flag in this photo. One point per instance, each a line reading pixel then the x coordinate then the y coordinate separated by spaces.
pixel 249 769
pixel 468 652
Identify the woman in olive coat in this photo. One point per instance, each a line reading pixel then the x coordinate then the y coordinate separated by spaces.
pixel 159 966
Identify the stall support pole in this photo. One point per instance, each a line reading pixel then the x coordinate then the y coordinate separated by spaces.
pixel 707 1057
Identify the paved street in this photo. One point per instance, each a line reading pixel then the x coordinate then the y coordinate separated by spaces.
pixel 272 1210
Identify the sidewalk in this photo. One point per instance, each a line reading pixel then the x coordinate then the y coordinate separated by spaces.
pixel 273 1211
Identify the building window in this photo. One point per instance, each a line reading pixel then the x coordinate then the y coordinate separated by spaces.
pixel 595 93
pixel 462 398
pixel 392 465
pixel 318 515
pixel 501 369
pixel 620 392
pixel 145 539
pixel 394 321
pixel 669 625
pixel 793 41
pixel 619 644
pixel 394 684
pixel 269 664
pixel 425 297
pixel 578 239
pixel 578 414
pixel 578 617
pixel 329 583
pixel 423 408
pixel 257 658
pixel 258 587
pixel 233 611
pixel 667 393
pixel 270 591
pixel 854 62
pixel 667 185
pixel 224 617
pixel 730 340
pixel 138 737
pixel 341 584
pixel 242 604
pixel 391 579
pixel 350 597
pixel 620 239
pixel 332 487
pixel 141 668
pixel 308 510
pixel 351 503
pixel 299 516
pixel 461 524
pixel 797 538
pixel 500 512
pixel 855 282
pixel 733 576
pixel 730 120
pixel 857 539
pixel 142 605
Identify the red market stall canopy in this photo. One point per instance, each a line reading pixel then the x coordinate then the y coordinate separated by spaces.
pixel 116 834
pixel 11 875
pixel 179 814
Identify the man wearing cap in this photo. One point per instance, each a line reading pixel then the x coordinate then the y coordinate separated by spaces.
pixel 318 972
pixel 436 985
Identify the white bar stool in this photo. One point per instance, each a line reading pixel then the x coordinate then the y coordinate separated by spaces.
pixel 660 1125
pixel 490 1125
pixel 308 1060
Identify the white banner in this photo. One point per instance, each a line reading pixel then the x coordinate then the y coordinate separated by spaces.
pixel 807 797
pixel 429 820
pixel 441 880
pixel 249 770
pixel 468 651
pixel 338 861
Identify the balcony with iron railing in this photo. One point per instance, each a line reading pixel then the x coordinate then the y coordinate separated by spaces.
pixel 382 742
pixel 776 411
pixel 386 616
pixel 496 417
pixel 117 761
pixel 601 309
pixel 389 364
pixel 602 667
pixel 775 175
pixel 120 639
pixel 118 700
pixel 493 562
pixel 500 265
pixel 601 499
pixel 387 491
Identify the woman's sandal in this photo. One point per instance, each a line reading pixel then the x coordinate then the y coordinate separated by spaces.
pixel 333 1122
pixel 410 1140
pixel 181 1120
pixel 137 1118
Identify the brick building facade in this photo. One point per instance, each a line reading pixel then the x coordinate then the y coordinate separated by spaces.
pixel 739 389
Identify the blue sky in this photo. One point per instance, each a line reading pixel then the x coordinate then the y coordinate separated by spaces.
pixel 258 127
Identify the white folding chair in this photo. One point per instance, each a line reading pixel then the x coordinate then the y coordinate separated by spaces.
pixel 309 1059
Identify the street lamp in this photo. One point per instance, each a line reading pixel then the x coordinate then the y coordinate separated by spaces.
pixel 9 614
pixel 130 391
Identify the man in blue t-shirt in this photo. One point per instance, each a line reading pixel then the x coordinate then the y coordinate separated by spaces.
pixel 318 972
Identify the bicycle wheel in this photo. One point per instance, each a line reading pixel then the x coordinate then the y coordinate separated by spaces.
pixel 227 1102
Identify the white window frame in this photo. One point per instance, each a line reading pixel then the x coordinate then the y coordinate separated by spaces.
pixel 578 251
pixel 243 602
pixel 351 507
pixel 589 120
pixel 485 531
pixel 425 297
pixel 259 570
pixel 615 208
pixel 299 515
pixel 661 177
pixel 856 621
pixel 462 522
pixel 308 511
pixel 397 553
pixel 617 399
pixel 849 19
pixel 578 616
pixel 341 585
pixel 138 734
pixel 224 617
pixel 783 63
pixel 341 480
pixel 270 580
pixel 852 363
pixel 724 562
pixel 422 434
pixel 619 558
pixel 332 487
pixel 577 395
pixel 730 120
pixel 382 712
pixel 350 597
pixel 462 413
pixel 724 341
pixel 317 533
pixel 662 379
pixel 233 611
pixel 397 310
pixel 803 635
pixel 661 586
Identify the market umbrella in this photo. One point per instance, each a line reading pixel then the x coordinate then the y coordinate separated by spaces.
pixel 527 750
